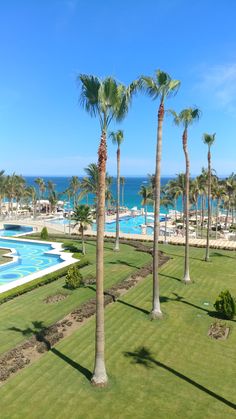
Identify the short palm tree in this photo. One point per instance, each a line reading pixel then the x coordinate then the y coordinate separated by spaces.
pixel 147 197
pixel 160 86
pixel 186 117
pixel 83 217
pixel 117 139
pixel 209 140
pixel 107 100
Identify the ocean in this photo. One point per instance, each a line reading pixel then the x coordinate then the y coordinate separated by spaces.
pixel 131 189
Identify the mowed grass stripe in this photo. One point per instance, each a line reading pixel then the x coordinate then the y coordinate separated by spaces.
pixel 178 342
pixel 22 311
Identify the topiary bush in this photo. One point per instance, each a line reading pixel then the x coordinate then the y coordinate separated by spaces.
pixel 44 233
pixel 74 278
pixel 225 304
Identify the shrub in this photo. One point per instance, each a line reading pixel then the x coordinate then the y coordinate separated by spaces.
pixel 74 278
pixel 44 233
pixel 225 304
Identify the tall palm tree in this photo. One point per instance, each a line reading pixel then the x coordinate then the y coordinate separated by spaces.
pixel 107 100
pixel 2 188
pixel 32 194
pixel 42 188
pixel 166 202
pixel 147 197
pixel 83 217
pixel 89 184
pixel 209 140
pixel 74 185
pixel 117 139
pixel 160 86
pixel 186 117
pixel 122 182
pixel 194 197
pixel 219 194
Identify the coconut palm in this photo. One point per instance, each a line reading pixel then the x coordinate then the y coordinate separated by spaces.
pixel 31 193
pixel 209 140
pixel 186 117
pixel 74 186
pixel 42 188
pixel 147 198
pixel 117 139
pixel 160 86
pixel 194 197
pixel 89 184
pixel 107 100
pixel 166 202
pixel 83 217
pixel 219 194
pixel 122 182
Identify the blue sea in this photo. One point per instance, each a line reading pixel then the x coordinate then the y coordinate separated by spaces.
pixel 131 189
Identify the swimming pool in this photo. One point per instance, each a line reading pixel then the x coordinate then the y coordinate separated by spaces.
pixel 29 260
pixel 10 230
pixel 130 225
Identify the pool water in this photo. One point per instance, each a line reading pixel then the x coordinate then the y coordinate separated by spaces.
pixel 130 225
pixel 14 230
pixel 33 257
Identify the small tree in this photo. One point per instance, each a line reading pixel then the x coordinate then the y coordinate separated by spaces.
pixel 44 233
pixel 225 304
pixel 83 217
pixel 74 278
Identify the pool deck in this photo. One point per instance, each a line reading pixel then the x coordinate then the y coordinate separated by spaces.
pixel 177 240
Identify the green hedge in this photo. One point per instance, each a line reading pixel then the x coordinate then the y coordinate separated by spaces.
pixel 39 282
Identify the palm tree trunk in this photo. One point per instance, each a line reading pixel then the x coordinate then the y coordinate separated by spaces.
pixel 186 277
pixel 217 215
pixel 165 228
pixel 145 214
pixel 226 218
pixel 209 207
pixel 83 244
pixel 196 208
pixel 99 375
pixel 117 246
pixel 156 306
pixel 202 215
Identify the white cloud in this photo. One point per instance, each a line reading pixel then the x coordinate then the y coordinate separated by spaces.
pixel 219 83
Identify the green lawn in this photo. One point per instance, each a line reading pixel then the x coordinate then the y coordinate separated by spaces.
pixel 157 369
pixel 23 310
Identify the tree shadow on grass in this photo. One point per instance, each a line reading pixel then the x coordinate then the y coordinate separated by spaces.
pixel 171 277
pixel 123 262
pixel 37 330
pixel 144 357
pixel 213 254
pixel 182 256
pixel 210 313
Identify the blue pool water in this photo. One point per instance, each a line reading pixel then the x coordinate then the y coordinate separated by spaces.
pixel 130 225
pixel 33 257
pixel 14 230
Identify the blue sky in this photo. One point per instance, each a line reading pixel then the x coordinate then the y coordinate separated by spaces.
pixel 45 44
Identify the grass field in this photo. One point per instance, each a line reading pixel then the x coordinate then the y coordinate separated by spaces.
pixel 157 369
pixel 23 310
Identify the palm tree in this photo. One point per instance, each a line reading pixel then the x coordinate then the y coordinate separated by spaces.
pixel 186 117
pixel 74 186
pixel 176 188
pixel 83 217
pixel 117 139
pixel 122 182
pixel 42 188
pixel 160 86
pixel 166 202
pixel 208 139
pixel 107 100
pixel 219 194
pixel 2 188
pixel 32 194
pixel 89 184
pixel 147 197
pixel 194 196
